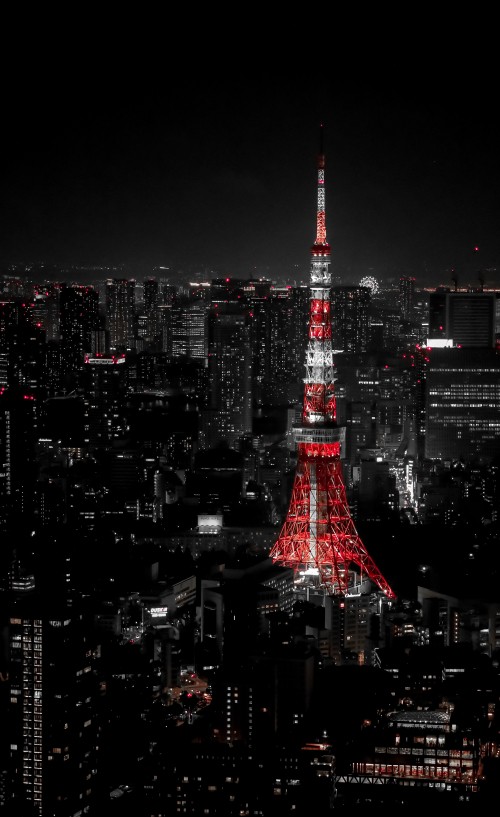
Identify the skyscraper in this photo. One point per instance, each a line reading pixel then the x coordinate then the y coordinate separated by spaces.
pixel 351 323
pixel 120 313
pixel 151 303
pixel 18 429
pixel 230 368
pixel 106 380
pixel 462 418
pixel 188 327
pixel 465 318
pixel 79 317
pixel 406 296
pixel 54 696
pixel 8 324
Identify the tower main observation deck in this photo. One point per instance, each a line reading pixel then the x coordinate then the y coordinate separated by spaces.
pixel 318 535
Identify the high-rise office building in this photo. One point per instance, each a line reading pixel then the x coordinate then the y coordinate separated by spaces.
pixel 465 318
pixel 351 318
pixel 22 354
pixel 51 292
pixel 187 330
pixel 151 302
pixel 406 297
pixel 230 369
pixel 120 313
pixel 258 299
pixel 197 331
pixel 53 717
pixel 462 417
pixel 106 381
pixel 8 323
pixel 18 428
pixel 287 323
pixel 79 318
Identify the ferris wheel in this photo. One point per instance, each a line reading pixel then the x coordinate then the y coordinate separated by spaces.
pixel 370 282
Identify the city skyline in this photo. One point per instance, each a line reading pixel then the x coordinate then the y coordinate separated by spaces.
pixel 189 618
pixel 214 174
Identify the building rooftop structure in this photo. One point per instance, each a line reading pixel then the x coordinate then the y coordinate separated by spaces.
pixel 417 717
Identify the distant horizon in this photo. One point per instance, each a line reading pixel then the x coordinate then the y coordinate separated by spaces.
pixel 206 272
pixel 217 171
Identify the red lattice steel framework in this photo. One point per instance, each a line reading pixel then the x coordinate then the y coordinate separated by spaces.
pixel 319 534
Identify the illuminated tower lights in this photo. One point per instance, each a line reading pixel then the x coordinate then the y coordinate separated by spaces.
pixel 318 535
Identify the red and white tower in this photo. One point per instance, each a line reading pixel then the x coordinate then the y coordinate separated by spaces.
pixel 319 535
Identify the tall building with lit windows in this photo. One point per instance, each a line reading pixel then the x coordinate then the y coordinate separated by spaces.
pixel 230 375
pixel 106 380
pixel 22 342
pixel 79 318
pixel 18 429
pixel 462 418
pixel 9 319
pixel 188 330
pixel 465 318
pixel 350 326
pixel 120 313
pixel 287 314
pixel 151 303
pixel 406 297
pixel 196 331
pixel 54 724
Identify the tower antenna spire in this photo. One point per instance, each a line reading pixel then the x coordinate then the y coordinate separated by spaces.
pixel 318 536
pixel 321 199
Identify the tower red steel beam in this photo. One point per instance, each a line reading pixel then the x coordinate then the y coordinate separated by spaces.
pixel 318 533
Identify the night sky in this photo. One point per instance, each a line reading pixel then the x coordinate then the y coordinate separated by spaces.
pixel 143 163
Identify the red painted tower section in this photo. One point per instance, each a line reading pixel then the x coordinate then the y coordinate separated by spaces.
pixel 319 536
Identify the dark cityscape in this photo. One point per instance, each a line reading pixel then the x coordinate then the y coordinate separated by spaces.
pixel 249 452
